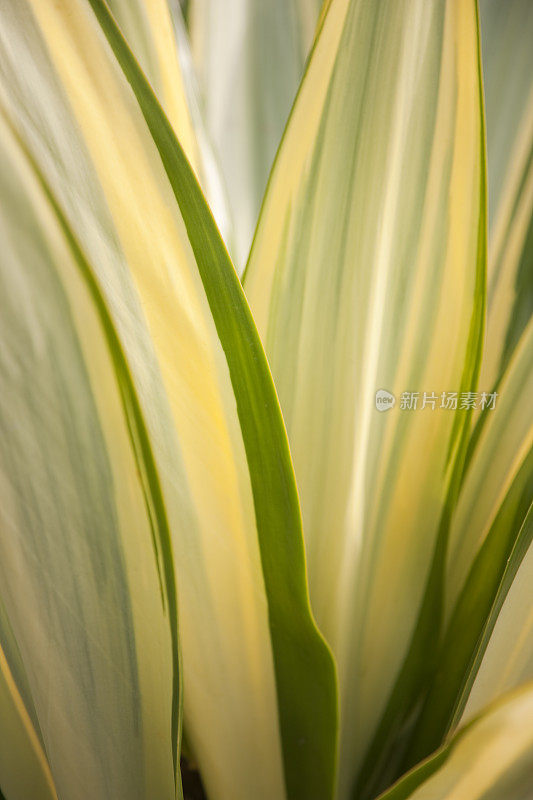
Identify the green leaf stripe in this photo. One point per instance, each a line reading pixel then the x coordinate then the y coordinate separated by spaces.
pixel 304 668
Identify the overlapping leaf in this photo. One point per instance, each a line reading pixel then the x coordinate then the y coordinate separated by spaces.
pixel 367 273
pixel 24 769
pixel 87 586
pixel 156 34
pixel 505 659
pixel 492 757
pixel 249 57
pixel 502 449
pixel 258 678
pixel 507 30
pixel 490 535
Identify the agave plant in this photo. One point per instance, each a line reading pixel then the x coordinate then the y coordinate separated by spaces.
pixel 278 526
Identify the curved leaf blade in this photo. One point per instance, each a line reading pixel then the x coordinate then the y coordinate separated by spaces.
pixel 367 273
pixel 500 447
pixel 306 698
pixel 485 531
pixel 253 661
pixel 155 31
pixel 490 757
pixel 83 584
pixel 505 654
pixel 24 769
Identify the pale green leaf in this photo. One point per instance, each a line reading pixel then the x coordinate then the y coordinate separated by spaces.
pixel 505 660
pixel 486 537
pixel 501 447
pixel 156 34
pixel 24 769
pixel 367 273
pixel 484 550
pixel 259 684
pixel 249 56
pixel 86 579
pixel 148 28
pixel 15 665
pixel 507 33
pixel 489 759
